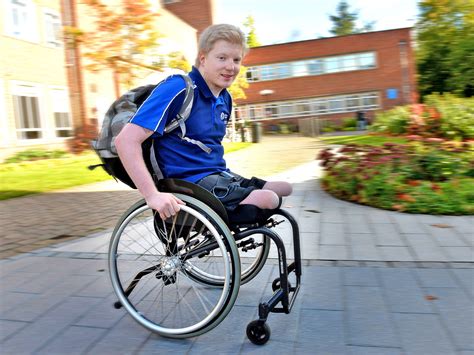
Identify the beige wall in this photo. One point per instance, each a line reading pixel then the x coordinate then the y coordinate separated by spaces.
pixel 34 63
pixel 99 86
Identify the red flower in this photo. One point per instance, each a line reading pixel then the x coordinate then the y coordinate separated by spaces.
pixel 413 182
pixel 406 197
pixel 414 137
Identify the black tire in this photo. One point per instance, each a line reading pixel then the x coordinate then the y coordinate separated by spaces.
pixel 258 333
pixel 150 262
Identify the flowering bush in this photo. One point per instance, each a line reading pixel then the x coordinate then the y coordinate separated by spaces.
pixel 425 176
pixel 445 116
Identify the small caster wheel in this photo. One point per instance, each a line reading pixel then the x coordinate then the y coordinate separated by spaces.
pixel 258 333
pixel 276 284
pixel 117 305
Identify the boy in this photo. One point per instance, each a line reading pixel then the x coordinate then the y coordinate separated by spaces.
pixel 221 50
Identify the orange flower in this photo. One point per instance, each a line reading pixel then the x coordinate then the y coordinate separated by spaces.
pixel 398 207
pixel 406 197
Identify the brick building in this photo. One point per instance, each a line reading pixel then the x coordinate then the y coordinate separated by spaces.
pixel 197 13
pixel 329 78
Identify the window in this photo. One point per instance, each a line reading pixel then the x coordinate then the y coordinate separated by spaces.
pixel 62 119
pixel 299 68
pixel 367 60
pixel 27 117
pixel 331 65
pixel 353 103
pixel 267 72
pixel 314 106
pixel 52 25
pixel 336 105
pixel 349 62
pixel 315 66
pixel 20 20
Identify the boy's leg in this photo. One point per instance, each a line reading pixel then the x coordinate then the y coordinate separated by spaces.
pixel 233 190
pixel 265 199
pixel 281 188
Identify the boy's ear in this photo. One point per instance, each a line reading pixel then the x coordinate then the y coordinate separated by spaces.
pixel 201 57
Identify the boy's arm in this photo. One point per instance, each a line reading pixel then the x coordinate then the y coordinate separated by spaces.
pixel 129 148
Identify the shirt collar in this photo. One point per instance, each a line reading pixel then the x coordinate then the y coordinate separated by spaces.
pixel 202 85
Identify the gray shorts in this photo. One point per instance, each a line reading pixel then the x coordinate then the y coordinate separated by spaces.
pixel 230 188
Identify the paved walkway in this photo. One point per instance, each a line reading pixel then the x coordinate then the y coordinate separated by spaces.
pixel 374 282
pixel 32 222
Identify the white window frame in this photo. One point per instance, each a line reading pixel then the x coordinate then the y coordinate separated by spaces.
pixel 26 29
pixel 300 68
pixel 316 106
pixel 4 134
pixel 59 103
pixel 29 90
pixel 52 28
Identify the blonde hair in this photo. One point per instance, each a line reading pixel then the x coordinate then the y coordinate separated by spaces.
pixel 214 33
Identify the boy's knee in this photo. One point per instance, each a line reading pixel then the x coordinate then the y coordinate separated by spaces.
pixel 265 199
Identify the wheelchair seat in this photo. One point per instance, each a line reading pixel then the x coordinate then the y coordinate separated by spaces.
pixel 242 215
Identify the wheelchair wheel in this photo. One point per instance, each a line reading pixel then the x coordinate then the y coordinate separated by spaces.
pixel 153 264
pixel 251 264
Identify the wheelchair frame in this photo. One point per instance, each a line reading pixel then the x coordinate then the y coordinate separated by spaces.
pixel 219 236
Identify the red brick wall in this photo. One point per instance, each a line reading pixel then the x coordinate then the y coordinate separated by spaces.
pixel 387 74
pixel 197 13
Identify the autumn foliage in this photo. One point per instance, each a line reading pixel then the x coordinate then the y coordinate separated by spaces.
pixel 121 35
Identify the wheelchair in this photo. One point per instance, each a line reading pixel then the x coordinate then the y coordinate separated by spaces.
pixel 180 277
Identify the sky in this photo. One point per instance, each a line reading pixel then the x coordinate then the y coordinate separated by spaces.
pixel 278 21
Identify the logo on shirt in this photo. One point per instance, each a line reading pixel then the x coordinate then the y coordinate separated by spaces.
pixel 224 116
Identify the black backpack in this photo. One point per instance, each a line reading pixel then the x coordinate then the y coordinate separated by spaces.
pixel 119 114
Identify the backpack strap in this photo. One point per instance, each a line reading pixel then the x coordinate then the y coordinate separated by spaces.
pixel 184 112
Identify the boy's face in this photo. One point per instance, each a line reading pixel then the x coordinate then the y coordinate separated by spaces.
pixel 221 65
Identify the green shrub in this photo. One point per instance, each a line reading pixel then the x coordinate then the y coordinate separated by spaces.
pixel 35 154
pixel 394 121
pixel 416 177
pixel 444 116
pixel 457 115
pixel 349 123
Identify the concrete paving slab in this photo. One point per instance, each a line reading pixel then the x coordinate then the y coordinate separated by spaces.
pixel 374 282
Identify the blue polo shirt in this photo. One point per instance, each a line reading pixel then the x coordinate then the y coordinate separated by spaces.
pixel 207 122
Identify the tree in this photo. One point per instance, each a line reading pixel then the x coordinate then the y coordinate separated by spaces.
pixel 445 37
pixel 177 60
pixel 121 37
pixel 344 22
pixel 252 40
pixel 238 86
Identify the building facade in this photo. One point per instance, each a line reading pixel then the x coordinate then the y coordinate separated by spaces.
pixel 34 95
pixel 96 90
pixel 198 13
pixel 47 94
pixel 329 78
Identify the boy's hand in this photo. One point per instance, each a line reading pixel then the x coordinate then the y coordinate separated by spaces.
pixel 166 204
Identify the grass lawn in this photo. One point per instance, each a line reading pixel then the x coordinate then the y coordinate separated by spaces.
pixel 31 177
pixel 363 140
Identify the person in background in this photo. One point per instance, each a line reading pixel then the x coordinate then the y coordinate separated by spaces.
pixel 361 121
